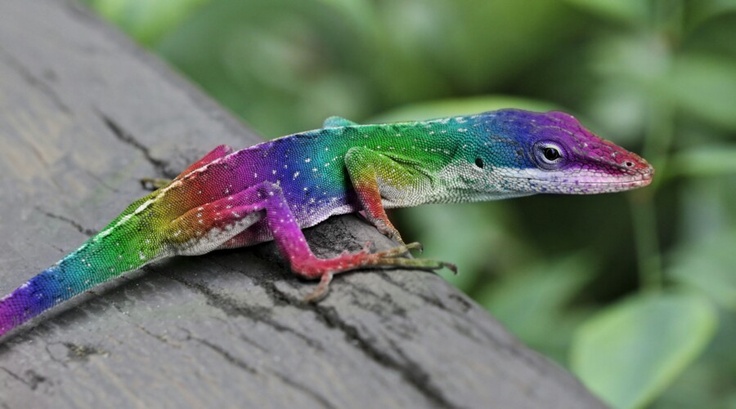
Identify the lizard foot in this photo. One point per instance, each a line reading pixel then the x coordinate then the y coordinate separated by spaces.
pixel 389 231
pixel 326 269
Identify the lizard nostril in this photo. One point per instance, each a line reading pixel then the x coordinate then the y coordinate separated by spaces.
pixel 629 164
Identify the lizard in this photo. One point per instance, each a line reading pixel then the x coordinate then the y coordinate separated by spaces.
pixel 273 190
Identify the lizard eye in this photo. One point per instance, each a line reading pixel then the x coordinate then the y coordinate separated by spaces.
pixel 551 154
pixel 548 155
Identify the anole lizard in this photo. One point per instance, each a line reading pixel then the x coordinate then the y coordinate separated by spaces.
pixel 273 190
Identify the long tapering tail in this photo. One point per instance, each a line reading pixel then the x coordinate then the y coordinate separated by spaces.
pixel 126 244
pixel 40 293
pixel 141 234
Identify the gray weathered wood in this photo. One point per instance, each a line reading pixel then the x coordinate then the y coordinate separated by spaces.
pixel 83 115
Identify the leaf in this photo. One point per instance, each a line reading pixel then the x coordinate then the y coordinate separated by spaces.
pixel 468 45
pixel 146 20
pixel 451 107
pixel 450 232
pixel 632 11
pixel 283 65
pixel 534 303
pixel 704 161
pixel 629 353
pixel 705 10
pixel 705 86
pixel 709 266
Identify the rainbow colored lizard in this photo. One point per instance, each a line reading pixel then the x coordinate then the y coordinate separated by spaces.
pixel 273 190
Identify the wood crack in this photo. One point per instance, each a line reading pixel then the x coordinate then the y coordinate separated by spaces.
pixel 33 381
pixel 229 358
pixel 233 308
pixel 408 370
pixel 239 363
pixel 87 232
pixel 126 137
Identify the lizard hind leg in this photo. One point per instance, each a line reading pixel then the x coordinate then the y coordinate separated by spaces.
pixel 211 225
pixel 293 246
pixel 207 227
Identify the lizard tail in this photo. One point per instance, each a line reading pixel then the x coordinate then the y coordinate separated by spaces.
pixel 141 234
pixel 119 248
pixel 37 295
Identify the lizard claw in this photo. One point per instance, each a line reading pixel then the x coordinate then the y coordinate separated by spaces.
pixel 419 247
pixel 368 247
pixel 450 266
pixel 387 229
pixel 322 288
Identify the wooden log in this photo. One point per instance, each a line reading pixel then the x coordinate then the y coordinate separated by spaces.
pixel 84 114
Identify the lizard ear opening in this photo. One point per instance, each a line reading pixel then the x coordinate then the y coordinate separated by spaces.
pixel 479 162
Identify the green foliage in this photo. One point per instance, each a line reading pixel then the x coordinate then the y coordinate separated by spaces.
pixel 146 20
pixel 282 64
pixel 709 267
pixel 630 352
pixel 623 289
pixel 460 106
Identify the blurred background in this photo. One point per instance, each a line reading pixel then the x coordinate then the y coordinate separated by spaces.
pixel 635 292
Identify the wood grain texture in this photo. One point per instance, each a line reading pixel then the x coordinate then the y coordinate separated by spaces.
pixel 83 115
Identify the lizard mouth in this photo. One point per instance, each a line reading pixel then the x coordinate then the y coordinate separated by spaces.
pixel 595 183
pixel 582 182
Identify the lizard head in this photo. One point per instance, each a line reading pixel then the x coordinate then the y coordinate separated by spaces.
pixel 553 153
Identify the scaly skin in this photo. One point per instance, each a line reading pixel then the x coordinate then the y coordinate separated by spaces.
pixel 274 189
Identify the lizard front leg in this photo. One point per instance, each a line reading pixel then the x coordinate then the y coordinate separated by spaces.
pixel 372 174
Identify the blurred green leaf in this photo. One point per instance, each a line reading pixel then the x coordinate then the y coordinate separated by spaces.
pixel 630 352
pixel 713 31
pixel 473 45
pixel 360 11
pixel 703 10
pixel 704 161
pixel 706 86
pixel 706 211
pixel 146 20
pixel 709 265
pixel 628 69
pixel 464 106
pixel 631 11
pixel 533 304
pixel 711 381
pixel 450 233
pixel 283 65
